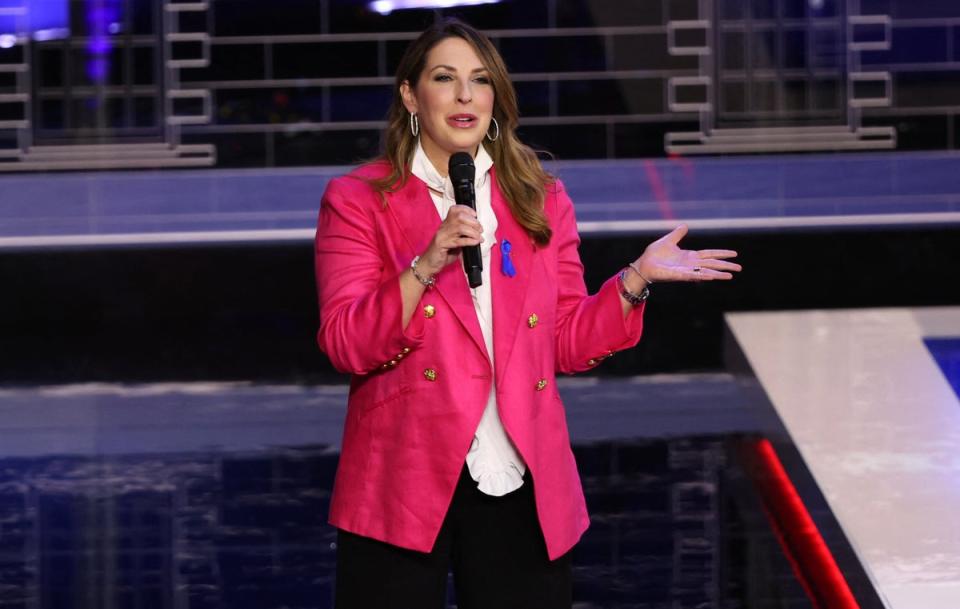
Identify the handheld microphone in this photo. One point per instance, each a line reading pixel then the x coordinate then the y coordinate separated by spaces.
pixel 462 172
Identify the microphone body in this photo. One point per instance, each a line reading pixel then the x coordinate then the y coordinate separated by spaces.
pixel 462 171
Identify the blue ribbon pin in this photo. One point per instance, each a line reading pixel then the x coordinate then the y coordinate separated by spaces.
pixel 506 263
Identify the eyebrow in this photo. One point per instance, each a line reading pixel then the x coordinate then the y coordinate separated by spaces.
pixel 453 69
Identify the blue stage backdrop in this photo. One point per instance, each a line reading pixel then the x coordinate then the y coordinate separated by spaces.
pixel 44 16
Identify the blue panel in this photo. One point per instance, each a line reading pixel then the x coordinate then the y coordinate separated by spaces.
pixel 41 15
pixel 947 353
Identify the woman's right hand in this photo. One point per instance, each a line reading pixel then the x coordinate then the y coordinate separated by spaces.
pixel 460 228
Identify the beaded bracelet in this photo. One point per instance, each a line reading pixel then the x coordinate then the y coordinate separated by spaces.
pixel 634 299
pixel 427 281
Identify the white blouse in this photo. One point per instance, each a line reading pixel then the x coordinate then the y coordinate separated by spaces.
pixel 492 459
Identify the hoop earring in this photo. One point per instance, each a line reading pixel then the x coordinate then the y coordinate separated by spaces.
pixel 497 125
pixel 414 125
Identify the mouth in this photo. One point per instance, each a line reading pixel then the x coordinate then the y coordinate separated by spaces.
pixel 462 121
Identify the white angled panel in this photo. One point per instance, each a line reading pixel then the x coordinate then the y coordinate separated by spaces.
pixel 877 425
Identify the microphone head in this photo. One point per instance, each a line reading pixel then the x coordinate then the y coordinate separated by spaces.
pixel 461 167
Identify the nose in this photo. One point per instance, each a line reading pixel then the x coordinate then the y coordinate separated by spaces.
pixel 465 94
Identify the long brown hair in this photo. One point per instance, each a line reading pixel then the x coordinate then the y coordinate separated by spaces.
pixel 520 176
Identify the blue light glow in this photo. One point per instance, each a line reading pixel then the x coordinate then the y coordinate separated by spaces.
pixel 100 15
pixel 385 7
pixel 43 19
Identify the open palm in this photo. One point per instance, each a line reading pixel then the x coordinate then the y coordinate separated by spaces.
pixel 664 260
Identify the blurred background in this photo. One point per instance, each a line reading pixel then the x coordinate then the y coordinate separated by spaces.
pixel 170 431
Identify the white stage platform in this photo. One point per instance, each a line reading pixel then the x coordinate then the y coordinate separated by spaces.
pixel 878 425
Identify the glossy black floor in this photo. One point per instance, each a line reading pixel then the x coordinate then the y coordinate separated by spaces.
pixel 214 496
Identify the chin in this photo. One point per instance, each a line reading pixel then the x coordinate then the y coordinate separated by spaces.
pixel 461 146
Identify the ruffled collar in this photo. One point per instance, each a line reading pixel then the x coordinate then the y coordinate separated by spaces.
pixel 424 169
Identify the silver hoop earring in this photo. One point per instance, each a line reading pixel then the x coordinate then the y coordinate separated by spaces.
pixel 414 125
pixel 497 125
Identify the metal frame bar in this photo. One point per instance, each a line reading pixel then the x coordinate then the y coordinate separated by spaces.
pixel 674 49
pixel 200 62
pixel 868 20
pixel 871 102
pixel 190 119
pixel 688 81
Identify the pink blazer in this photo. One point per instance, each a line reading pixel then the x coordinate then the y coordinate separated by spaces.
pixel 417 394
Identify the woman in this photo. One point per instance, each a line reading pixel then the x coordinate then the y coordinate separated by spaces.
pixel 455 450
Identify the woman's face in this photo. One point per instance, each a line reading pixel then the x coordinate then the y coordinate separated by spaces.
pixel 453 100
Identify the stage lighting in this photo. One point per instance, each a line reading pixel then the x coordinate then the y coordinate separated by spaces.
pixel 385 7
pixel 40 19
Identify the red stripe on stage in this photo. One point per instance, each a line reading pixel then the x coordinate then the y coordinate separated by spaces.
pixel 659 190
pixel 799 537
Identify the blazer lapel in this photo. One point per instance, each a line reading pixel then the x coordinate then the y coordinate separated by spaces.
pixel 509 293
pixel 418 220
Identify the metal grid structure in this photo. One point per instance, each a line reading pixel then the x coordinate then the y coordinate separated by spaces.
pixel 228 86
pixel 775 81
pixel 81 122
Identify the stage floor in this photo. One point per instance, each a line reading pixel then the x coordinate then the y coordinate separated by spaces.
pixel 239 474
pixel 224 486
pixel 215 495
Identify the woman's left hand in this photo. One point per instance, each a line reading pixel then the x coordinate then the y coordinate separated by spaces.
pixel 663 260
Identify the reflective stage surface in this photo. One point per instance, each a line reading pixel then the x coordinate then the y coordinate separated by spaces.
pixel 215 496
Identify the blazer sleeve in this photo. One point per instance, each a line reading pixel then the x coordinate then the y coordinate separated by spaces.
pixel 589 327
pixel 361 307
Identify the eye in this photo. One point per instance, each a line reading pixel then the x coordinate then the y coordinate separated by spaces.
pixel 442 77
pixel 483 80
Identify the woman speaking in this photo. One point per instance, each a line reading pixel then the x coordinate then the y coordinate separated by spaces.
pixel 455 453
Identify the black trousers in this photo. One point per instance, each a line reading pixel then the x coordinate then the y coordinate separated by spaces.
pixel 493 545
